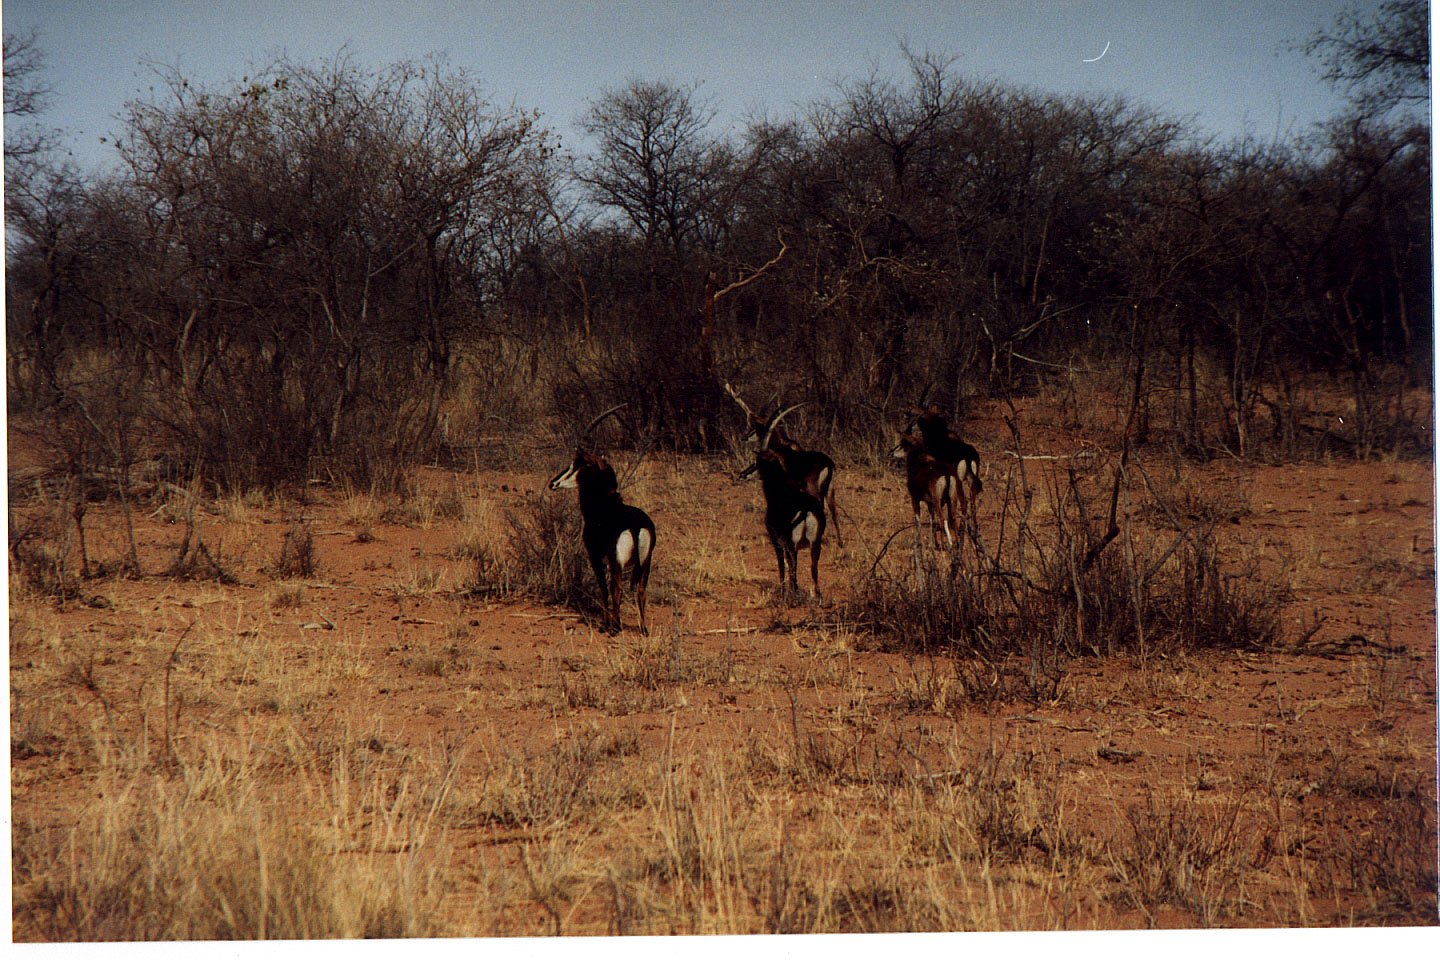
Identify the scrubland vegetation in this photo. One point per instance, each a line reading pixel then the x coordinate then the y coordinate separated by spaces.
pixel 405 743
pixel 299 650
pixel 294 278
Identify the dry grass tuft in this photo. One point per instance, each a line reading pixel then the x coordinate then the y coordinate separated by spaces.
pixel 1188 854
pixel 297 551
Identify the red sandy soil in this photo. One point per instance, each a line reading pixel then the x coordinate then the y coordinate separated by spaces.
pixel 1358 539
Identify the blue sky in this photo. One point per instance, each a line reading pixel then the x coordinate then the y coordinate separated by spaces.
pixel 1222 63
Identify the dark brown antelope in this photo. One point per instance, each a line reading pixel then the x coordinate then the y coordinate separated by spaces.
pixel 930 481
pixel 794 517
pixel 945 445
pixel 616 535
pixel 809 469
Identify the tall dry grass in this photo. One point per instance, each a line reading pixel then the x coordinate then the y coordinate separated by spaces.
pixel 204 843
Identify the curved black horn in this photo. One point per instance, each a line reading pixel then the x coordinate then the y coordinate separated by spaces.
pixel 770 427
pixel 596 422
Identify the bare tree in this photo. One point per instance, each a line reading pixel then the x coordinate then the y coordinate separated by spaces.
pixel 28 166
pixel 295 258
pixel 44 211
pixel 25 94
pixel 656 163
pixel 1382 62
pixel 908 122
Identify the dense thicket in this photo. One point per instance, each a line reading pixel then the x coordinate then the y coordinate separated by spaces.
pixel 298 276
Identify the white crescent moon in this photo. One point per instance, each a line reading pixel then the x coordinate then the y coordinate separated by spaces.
pixel 1102 53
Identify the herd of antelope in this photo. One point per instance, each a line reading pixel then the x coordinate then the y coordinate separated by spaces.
pixel 941 470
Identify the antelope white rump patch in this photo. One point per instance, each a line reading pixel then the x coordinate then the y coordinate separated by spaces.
pixel 804 529
pixel 624 546
pixel 645 542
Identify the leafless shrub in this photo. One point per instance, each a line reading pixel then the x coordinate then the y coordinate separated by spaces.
pixel 1080 577
pixel 39 556
pixel 1182 852
pixel 490 571
pixel 297 551
pixel 1393 862
pixel 194 561
pixel 526 790
pixel 546 555
pixel 193 558
pixel 671 400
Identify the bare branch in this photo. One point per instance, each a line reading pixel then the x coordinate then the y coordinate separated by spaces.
pixel 740 283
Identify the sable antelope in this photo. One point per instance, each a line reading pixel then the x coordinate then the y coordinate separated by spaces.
pixel 794 517
pixel 930 481
pixel 945 445
pixel 809 469
pixel 616 534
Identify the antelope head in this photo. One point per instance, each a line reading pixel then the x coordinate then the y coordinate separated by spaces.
pixel 756 421
pixel 763 431
pixel 569 477
pixel 908 442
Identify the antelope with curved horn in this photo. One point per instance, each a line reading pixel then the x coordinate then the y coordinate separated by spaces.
pixel 930 481
pixel 794 517
pixel 617 535
pixel 809 469
pixel 945 445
